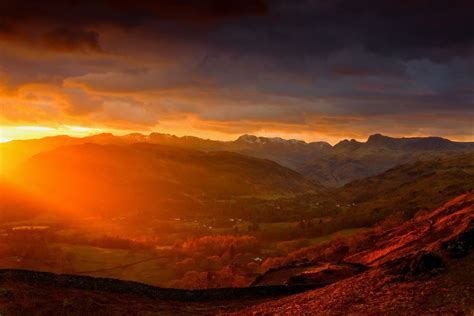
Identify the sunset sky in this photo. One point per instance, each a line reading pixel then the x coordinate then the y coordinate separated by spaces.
pixel 313 70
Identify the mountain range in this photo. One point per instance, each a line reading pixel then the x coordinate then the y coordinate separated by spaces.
pixel 329 165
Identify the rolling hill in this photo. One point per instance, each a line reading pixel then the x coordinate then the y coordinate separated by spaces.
pixel 396 194
pixel 157 178
pixel 411 187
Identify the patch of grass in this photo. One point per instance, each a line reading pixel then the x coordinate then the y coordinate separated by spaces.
pixel 88 258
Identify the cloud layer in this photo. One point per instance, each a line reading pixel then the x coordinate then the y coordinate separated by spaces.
pixel 318 69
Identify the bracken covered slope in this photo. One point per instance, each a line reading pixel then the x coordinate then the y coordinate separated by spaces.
pixel 425 266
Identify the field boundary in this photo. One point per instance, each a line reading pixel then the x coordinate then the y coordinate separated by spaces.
pixel 90 283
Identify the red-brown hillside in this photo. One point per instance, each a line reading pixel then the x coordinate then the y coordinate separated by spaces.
pixel 423 266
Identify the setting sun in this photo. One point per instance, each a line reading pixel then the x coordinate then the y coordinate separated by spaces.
pixel 9 133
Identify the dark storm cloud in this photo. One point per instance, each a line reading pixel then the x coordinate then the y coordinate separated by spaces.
pixel 70 25
pixel 127 13
pixel 438 30
pixel 71 39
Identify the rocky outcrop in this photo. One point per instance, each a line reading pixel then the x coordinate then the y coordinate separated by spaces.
pixel 422 263
pixel 462 244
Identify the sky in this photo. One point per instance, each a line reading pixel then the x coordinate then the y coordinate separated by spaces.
pixel 312 70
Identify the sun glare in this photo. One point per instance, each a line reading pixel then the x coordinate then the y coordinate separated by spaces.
pixel 9 133
pixel 35 128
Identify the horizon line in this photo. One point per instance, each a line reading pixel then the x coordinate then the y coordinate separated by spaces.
pixel 4 140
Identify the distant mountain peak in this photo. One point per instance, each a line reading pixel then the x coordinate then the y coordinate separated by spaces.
pixel 381 140
pixel 252 139
pixel 103 135
pixel 377 137
pixel 248 138
pixel 347 144
pixel 413 143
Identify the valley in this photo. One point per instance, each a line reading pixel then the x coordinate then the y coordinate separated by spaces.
pixel 169 215
pixel 417 264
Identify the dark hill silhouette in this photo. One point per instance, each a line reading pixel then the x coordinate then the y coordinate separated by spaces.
pixel 146 177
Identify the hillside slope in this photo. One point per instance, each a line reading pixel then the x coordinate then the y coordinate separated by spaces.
pixel 44 293
pixel 15 204
pixel 153 177
pixel 411 187
pixel 16 152
pixel 397 194
pixel 423 266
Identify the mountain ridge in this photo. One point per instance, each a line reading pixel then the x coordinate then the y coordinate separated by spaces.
pixel 248 138
pixel 330 165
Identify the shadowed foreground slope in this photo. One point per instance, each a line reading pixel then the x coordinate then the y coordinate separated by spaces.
pixel 44 293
